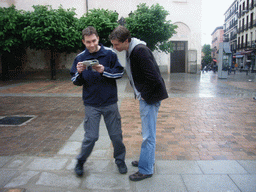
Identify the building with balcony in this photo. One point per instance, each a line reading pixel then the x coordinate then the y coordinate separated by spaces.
pixel 246 33
pixel 230 26
pixel 217 38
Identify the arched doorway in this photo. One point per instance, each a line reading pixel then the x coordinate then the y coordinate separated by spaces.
pixel 178 57
pixel 178 61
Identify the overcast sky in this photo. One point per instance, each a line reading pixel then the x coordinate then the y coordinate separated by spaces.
pixel 212 17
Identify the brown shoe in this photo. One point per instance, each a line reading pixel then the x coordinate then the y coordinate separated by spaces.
pixel 138 176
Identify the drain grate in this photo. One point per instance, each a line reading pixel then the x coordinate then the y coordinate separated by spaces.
pixel 15 120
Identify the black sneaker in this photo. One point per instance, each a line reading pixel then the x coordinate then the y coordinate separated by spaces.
pixel 122 168
pixel 79 169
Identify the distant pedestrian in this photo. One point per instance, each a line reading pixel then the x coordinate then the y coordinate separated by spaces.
pixel 214 67
pixel 99 96
pixel 236 66
pixel 149 88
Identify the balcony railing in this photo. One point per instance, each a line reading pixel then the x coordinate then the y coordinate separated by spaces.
pixel 251 6
pixel 233 37
pixel 231 14
pixel 251 24
pixel 239 30
pixel 246 27
pixel 249 44
pixel 234 24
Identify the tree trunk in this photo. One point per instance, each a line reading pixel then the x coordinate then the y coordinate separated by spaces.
pixel 5 68
pixel 53 65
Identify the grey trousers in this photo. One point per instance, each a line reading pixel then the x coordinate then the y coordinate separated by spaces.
pixel 112 120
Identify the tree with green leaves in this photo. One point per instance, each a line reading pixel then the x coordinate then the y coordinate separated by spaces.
pixel 207 58
pixel 150 24
pixel 11 25
pixel 52 29
pixel 58 30
pixel 104 21
pixel 11 44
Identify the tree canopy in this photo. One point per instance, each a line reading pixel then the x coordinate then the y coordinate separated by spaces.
pixel 47 28
pixel 11 26
pixel 150 24
pixel 59 30
pixel 207 54
pixel 52 29
pixel 104 21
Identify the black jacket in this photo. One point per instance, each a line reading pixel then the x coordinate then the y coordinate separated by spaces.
pixel 146 75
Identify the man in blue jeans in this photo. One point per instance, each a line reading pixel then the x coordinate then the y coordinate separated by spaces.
pixel 149 89
pixel 99 96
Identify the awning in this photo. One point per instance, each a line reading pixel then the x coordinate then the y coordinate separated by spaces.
pixel 238 56
pixel 247 52
pixel 243 53
pixel 226 50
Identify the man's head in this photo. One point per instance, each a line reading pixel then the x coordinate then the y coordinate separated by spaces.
pixel 120 38
pixel 90 39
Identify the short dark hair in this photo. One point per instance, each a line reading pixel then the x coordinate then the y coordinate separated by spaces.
pixel 120 33
pixel 89 31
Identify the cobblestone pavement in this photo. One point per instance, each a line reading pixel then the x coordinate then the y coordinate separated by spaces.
pixel 55 121
pixel 208 123
pixel 205 118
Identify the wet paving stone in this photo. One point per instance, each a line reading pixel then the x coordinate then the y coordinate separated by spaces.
pixel 204 118
pixel 56 120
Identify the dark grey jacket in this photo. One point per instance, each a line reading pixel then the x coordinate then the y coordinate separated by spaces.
pixel 146 74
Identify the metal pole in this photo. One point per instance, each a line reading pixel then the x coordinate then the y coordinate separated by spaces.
pixel 86 6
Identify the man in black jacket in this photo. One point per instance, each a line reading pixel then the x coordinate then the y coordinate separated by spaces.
pixel 149 88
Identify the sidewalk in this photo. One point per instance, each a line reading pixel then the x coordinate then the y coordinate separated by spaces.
pixel 206 137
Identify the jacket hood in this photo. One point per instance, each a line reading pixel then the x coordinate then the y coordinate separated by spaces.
pixel 133 43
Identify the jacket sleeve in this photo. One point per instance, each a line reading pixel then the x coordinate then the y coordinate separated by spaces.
pixel 115 69
pixel 76 78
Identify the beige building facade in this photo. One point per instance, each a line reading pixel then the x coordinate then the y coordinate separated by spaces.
pixel 186 14
pixel 217 38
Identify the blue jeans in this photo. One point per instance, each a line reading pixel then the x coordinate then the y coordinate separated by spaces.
pixel 148 114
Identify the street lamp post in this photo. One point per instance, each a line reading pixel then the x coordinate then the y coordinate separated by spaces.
pixel 253 56
pixel 86 6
